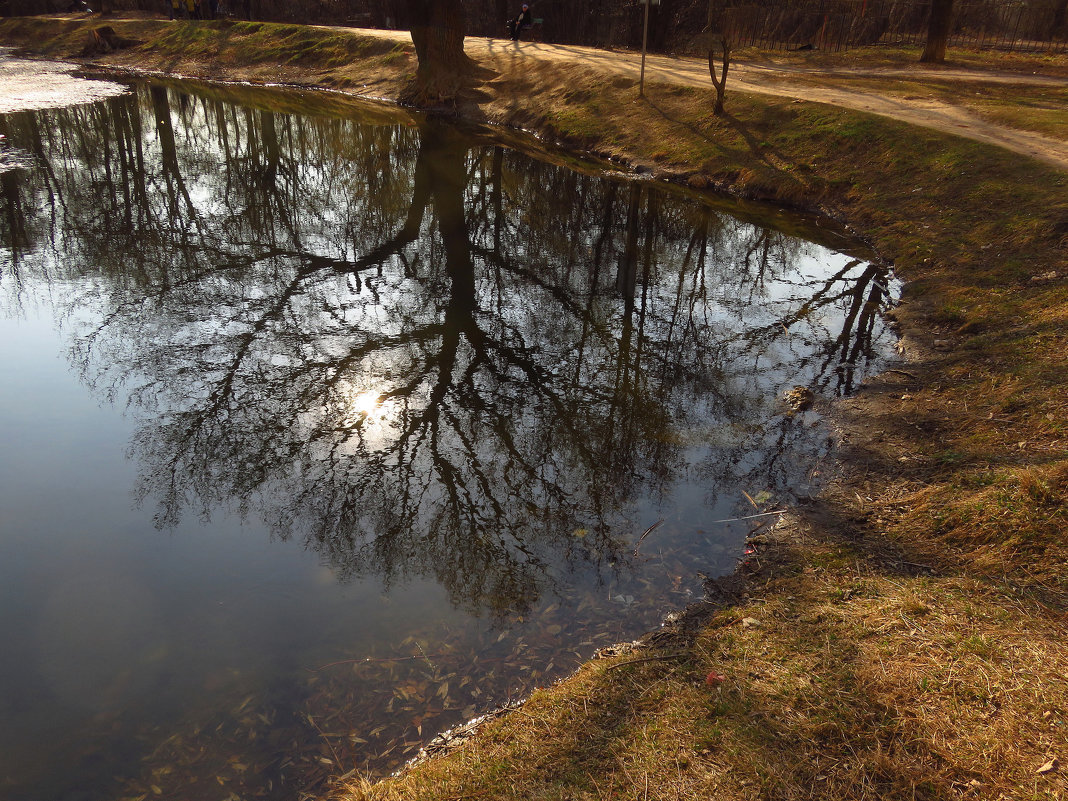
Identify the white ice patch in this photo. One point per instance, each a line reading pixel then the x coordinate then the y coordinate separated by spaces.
pixel 27 85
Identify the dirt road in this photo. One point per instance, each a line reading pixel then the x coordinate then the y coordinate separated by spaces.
pixel 29 87
pixel 776 80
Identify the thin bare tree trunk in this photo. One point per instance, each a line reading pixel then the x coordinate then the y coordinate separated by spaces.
pixel 1059 14
pixel 719 77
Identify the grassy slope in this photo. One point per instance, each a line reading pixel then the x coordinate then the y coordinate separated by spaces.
pixel 907 632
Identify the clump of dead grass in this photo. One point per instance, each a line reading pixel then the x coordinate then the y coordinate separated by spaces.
pixel 1010 520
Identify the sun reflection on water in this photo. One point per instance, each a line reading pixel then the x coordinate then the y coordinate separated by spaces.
pixel 366 405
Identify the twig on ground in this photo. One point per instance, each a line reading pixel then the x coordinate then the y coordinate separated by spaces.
pixel 711 522
pixel 664 658
pixel 748 517
pixel 337 759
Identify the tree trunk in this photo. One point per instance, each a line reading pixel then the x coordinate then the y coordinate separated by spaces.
pixel 1059 15
pixel 719 78
pixel 437 28
pixel 504 11
pixel 938 32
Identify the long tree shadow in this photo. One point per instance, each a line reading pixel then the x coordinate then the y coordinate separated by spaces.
pixel 767 155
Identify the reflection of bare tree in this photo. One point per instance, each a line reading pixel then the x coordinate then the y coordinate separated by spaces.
pixel 403 346
pixel 14 219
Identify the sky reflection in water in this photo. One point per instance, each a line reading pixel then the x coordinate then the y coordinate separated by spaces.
pixel 395 404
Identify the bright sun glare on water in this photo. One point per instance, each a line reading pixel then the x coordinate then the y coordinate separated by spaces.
pixel 365 404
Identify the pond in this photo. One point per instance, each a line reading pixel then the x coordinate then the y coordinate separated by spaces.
pixel 327 427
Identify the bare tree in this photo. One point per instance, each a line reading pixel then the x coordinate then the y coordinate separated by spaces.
pixel 720 46
pixel 719 50
pixel 437 28
pixel 1060 19
pixel 938 28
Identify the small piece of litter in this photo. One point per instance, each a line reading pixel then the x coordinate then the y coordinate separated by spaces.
pixel 1049 767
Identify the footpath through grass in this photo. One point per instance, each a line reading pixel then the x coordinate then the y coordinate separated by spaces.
pixel 905 635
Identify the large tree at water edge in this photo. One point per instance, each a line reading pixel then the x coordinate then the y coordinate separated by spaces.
pixel 437 28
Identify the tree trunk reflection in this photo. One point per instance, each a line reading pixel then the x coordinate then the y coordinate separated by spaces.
pixel 407 347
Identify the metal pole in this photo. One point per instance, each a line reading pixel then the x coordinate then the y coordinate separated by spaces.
pixel 1016 30
pixel 645 38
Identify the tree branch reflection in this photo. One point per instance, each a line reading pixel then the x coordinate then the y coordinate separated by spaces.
pixel 404 347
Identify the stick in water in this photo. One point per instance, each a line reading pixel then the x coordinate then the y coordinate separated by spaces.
pixel 644 535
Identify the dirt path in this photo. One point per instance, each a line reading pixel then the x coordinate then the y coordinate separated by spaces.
pixel 775 80
pixel 24 87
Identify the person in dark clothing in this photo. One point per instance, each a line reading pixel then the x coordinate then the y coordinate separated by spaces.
pixel 520 23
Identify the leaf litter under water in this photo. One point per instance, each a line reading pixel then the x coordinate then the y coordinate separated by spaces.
pixel 372 711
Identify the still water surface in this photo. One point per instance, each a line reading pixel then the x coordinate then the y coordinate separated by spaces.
pixel 324 429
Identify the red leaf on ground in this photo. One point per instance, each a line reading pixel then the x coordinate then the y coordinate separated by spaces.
pixel 714 679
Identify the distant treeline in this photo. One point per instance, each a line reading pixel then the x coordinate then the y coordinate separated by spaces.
pixel 675 25
pixel 605 23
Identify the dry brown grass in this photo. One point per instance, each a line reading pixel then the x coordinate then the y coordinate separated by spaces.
pixel 1038 108
pixel 856 685
pixel 907 57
